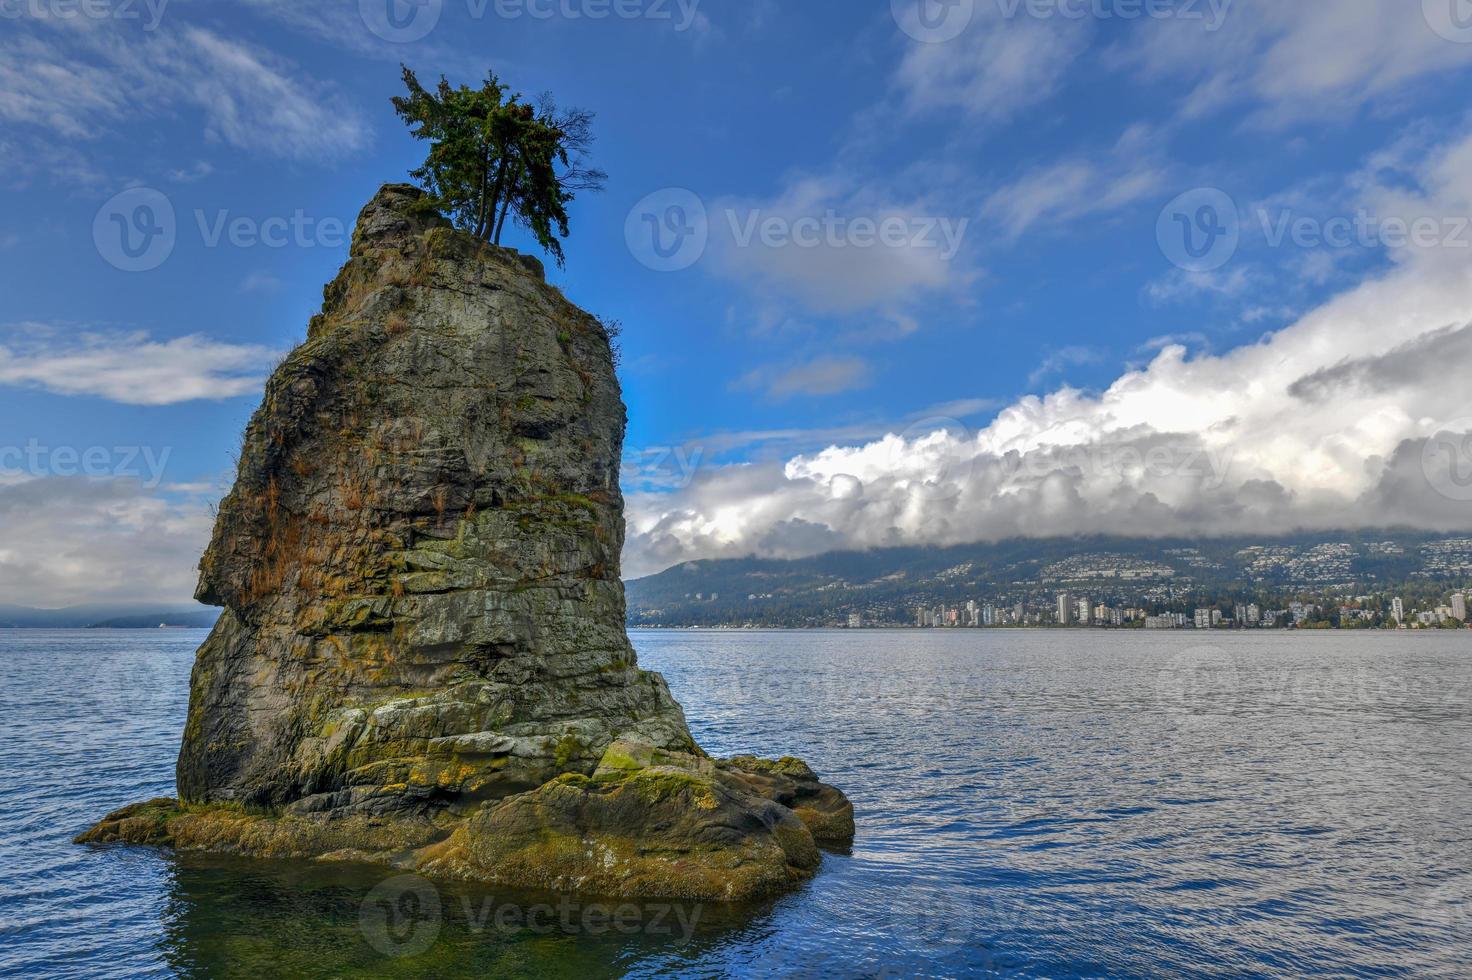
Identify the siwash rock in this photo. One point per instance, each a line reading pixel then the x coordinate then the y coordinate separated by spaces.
pixel 422 659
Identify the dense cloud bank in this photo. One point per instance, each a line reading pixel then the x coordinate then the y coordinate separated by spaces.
pixel 1356 415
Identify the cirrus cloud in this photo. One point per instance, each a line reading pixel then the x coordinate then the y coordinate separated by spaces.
pixel 132 368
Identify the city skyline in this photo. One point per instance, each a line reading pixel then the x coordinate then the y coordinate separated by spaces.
pixel 1076 610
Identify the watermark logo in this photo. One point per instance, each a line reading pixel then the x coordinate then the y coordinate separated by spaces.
pixel 932 919
pixel 136 231
pixel 1449 905
pixel 835 231
pixel 300 230
pixel 142 463
pixel 407 21
pixel 1213 13
pixel 1200 230
pixel 668 230
pixel 1364 230
pixel 933 21
pixel 404 916
pixel 665 467
pixel 401 21
pixel 1451 19
pixel 151 12
pixel 1198 684
pixel 155 676
pixel 1205 466
pixel 401 916
pixel 684 14
pixel 1446 460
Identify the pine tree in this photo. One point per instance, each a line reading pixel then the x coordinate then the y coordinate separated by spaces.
pixel 493 156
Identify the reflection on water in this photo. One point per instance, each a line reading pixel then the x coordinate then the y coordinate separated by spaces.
pixel 1034 804
pixel 228 917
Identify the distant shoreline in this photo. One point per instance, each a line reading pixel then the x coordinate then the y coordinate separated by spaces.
pixel 1089 630
pixel 101 627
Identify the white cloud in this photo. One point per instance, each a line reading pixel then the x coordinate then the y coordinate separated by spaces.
pixel 339 24
pixel 191 174
pixel 995 69
pixel 1321 424
pixel 260 282
pixel 820 376
pixel 132 368
pixel 1181 284
pixel 79 79
pixel 1082 186
pixel 838 248
pixel 1193 338
pixel 1295 62
pixel 72 540
pixel 1061 360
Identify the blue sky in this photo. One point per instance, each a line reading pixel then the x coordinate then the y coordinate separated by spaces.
pixel 1032 323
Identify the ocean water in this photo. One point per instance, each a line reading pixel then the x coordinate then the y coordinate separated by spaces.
pixel 1052 804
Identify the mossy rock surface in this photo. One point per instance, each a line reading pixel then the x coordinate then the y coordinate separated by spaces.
pixel 682 827
pixel 422 657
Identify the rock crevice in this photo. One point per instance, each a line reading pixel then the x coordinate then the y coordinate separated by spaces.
pixel 422 658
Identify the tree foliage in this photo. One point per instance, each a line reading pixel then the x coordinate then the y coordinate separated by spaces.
pixel 493 157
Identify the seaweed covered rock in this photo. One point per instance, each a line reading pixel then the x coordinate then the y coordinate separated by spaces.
pixel 422 657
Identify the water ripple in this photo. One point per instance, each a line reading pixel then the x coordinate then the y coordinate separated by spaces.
pixel 1030 804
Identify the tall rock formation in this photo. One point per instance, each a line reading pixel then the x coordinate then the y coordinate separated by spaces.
pixel 422 658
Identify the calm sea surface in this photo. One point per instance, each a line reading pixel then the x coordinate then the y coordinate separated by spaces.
pixel 1056 804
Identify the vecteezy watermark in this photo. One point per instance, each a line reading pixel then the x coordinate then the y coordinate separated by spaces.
pixel 143 463
pixel 938 21
pixel 406 21
pixel 138 229
pixel 669 467
pixel 1212 13
pixel 932 919
pixel 1207 466
pixel 939 921
pixel 933 21
pixel 299 230
pixel 150 12
pixel 1451 19
pixel 403 917
pixel 1363 230
pixel 1449 906
pixel 836 231
pixel 155 675
pixel 1199 683
pixel 1446 460
pixel 401 21
pixel 668 231
pixel 1200 230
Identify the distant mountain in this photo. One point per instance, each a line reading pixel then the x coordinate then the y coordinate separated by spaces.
pixel 107 617
pixel 885 586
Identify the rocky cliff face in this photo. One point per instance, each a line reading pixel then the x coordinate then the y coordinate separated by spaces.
pixel 422 658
